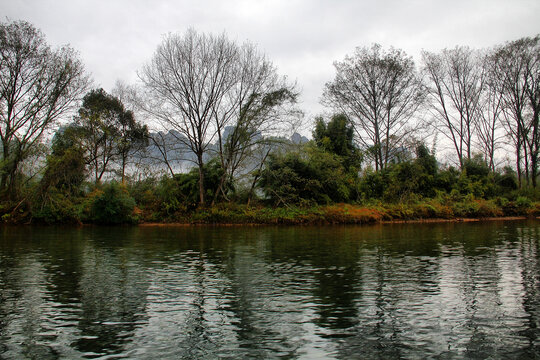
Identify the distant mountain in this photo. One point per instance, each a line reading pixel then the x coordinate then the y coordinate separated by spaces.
pixel 298 139
pixel 172 145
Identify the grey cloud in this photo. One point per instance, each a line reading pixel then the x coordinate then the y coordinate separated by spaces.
pixel 302 37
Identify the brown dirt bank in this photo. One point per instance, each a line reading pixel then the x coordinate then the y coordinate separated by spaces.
pixel 502 218
pixel 412 221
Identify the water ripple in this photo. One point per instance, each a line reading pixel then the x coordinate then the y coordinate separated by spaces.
pixel 407 291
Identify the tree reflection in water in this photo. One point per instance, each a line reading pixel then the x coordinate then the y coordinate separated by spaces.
pixel 465 290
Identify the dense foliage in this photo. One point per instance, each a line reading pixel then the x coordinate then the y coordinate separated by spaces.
pixel 311 176
pixel 112 205
pixel 309 184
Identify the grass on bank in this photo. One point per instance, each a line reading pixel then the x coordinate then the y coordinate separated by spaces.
pixel 360 214
pixel 113 204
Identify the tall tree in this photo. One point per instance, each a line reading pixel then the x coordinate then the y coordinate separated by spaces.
pixel 257 106
pixel 133 135
pixel 187 80
pixel 38 85
pixel 489 122
pixel 380 92
pixel 65 169
pixel 456 81
pixel 107 132
pixel 337 136
pixel 200 85
pixel 260 116
pixel 517 73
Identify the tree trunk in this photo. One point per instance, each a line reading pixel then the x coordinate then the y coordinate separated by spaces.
pixel 251 189
pixel 518 165
pixel 256 177
pixel 535 147
pixel 526 164
pixel 534 171
pixel 220 188
pixel 5 161
pixel 201 179
pixel 123 170
pixel 12 190
pixel 10 174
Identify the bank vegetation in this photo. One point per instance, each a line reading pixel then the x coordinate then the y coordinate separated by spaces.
pixel 209 135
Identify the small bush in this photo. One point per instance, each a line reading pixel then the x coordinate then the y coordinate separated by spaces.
pixel 523 203
pixel 520 207
pixel 398 212
pixel 443 211
pixel 424 211
pixel 487 208
pixel 170 198
pixel 535 209
pixel 307 178
pixel 57 207
pixel 346 214
pixel 113 205
pixel 467 208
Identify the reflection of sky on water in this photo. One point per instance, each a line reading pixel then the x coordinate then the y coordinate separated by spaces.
pixel 465 290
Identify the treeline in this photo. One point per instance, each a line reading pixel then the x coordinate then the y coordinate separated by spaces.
pixel 209 135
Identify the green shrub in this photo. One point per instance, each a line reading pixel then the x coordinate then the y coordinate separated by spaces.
pixel 113 205
pixel 523 204
pixel 399 212
pixel 56 207
pixel 535 209
pixel 475 168
pixel 170 198
pixel 373 184
pixel 467 208
pixel 313 176
pixel 507 181
pixel 424 211
pixel 144 192
pixel 442 210
pixel 488 208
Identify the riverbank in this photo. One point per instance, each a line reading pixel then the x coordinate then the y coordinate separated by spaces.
pixel 234 214
pixel 426 210
pixel 388 222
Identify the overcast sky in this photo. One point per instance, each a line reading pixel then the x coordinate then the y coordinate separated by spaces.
pixel 302 37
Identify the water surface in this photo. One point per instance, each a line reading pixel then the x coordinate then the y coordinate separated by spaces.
pixel 390 291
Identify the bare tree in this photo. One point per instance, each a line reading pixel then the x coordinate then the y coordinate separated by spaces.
pixel 133 135
pixel 456 81
pixel 188 79
pixel 169 150
pixel 380 91
pixel 165 149
pixel 38 86
pixel 517 71
pixel 488 123
pixel 212 91
pixel 258 106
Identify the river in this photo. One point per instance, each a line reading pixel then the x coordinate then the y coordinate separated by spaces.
pixel 450 290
